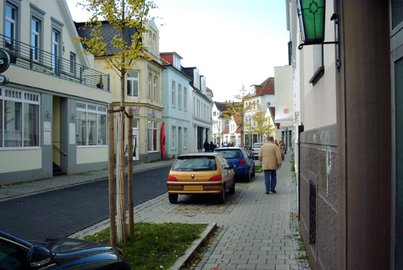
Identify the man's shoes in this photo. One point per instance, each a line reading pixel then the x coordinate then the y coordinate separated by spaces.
pixel 267 192
pixel 273 191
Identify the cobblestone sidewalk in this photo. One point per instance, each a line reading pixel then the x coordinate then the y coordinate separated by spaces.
pixel 257 231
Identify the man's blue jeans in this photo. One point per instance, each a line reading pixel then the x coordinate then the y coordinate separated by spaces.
pixel 270 180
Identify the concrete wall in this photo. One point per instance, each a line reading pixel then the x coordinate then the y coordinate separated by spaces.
pixel 365 132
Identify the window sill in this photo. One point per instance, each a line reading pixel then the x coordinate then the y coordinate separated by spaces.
pixel 318 74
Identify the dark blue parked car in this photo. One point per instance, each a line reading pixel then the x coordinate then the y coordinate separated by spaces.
pixel 241 160
pixel 17 253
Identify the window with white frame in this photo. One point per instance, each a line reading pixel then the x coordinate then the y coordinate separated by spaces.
pixel 155 47
pixel 150 40
pixel 185 99
pixel 35 37
pixel 155 85
pixel 10 24
pixel 133 84
pixel 56 41
pixel 185 138
pixel 173 94
pixel 19 118
pixel 179 96
pixel 173 137
pixel 149 86
pixel 37 18
pixel 317 62
pixel 195 106
pixel 73 63
pixel 91 124
pixel 151 136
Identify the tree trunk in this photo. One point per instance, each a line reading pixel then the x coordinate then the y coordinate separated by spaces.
pixel 111 175
pixel 130 174
pixel 121 180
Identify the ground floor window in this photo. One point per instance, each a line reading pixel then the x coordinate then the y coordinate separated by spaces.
pixel 151 136
pixel 185 138
pixel 91 124
pixel 19 118
pixel 173 137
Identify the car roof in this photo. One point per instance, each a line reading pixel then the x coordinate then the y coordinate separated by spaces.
pixel 199 154
pixel 228 147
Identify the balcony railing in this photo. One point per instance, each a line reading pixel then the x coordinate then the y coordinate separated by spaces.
pixel 26 56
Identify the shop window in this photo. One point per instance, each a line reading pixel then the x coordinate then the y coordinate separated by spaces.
pixel 91 124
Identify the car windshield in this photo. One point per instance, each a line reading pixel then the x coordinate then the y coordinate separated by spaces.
pixel 257 145
pixel 230 153
pixel 195 163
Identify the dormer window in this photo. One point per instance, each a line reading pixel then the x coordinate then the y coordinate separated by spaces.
pixel 177 62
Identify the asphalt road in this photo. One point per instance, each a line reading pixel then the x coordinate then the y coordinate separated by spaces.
pixel 62 212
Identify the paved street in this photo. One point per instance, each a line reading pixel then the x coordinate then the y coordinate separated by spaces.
pixel 255 230
pixel 61 212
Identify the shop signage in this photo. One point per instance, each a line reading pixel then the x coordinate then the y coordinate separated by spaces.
pixel 4 60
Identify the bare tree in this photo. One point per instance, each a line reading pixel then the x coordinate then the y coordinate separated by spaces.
pixel 128 18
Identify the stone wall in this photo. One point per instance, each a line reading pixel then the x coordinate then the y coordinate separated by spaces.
pixel 318 195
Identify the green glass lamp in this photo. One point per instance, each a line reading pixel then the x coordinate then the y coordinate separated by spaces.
pixel 311 15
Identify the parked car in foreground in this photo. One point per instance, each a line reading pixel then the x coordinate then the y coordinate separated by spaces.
pixel 256 148
pixel 200 173
pixel 241 160
pixel 17 253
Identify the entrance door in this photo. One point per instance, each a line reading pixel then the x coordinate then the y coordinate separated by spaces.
pixel 180 146
pixel 135 144
pixel 56 143
pixel 397 81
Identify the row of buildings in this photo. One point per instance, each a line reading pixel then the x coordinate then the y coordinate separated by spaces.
pixel 54 104
pixel 53 109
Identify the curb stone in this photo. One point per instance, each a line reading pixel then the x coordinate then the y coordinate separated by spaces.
pixel 181 261
pixel 194 247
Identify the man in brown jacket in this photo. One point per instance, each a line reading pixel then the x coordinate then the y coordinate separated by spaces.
pixel 270 156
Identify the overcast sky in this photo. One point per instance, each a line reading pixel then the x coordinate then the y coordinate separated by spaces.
pixel 232 42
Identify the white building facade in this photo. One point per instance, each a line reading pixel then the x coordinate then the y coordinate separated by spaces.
pixel 177 114
pixel 202 103
pixel 53 110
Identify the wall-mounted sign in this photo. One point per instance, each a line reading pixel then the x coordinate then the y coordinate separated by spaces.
pixel 4 60
pixel 136 110
pixel 3 80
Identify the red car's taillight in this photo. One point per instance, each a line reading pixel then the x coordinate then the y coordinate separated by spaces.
pixel 172 178
pixel 242 162
pixel 215 178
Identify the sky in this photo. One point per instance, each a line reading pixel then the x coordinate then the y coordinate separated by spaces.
pixel 234 43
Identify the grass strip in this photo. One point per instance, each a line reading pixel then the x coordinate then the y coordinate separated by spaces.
pixel 155 246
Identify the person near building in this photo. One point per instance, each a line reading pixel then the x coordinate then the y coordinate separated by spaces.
pixel 270 156
pixel 282 150
pixel 212 146
pixel 206 146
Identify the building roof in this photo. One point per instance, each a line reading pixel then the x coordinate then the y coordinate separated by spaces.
pixel 266 87
pixel 108 32
pixel 221 106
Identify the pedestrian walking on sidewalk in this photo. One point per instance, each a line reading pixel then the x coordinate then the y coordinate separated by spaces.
pixel 270 156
